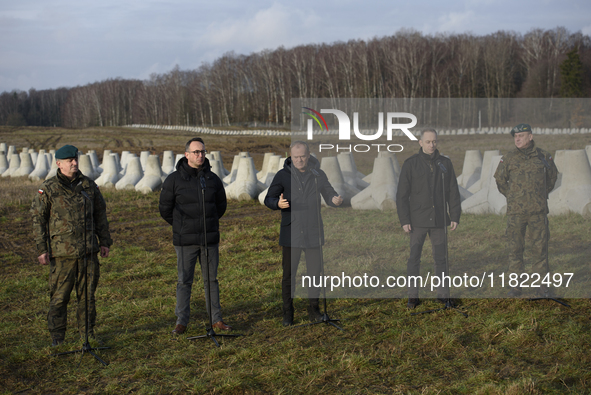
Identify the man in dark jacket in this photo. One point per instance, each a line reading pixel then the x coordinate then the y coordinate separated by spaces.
pixel 520 177
pixel 419 202
pixel 293 191
pixel 59 228
pixel 181 205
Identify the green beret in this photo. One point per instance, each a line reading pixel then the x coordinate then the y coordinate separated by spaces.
pixel 522 127
pixel 67 151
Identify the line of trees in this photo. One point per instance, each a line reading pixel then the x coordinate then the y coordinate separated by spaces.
pixel 257 88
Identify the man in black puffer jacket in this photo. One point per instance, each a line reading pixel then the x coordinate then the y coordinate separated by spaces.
pixel 181 206
pixel 419 201
pixel 293 191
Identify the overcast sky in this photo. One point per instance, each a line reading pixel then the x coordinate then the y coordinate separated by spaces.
pixel 53 43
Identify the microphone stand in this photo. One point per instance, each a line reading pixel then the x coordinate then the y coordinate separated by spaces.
pixel 547 296
pixel 448 303
pixel 209 332
pixel 86 345
pixel 325 319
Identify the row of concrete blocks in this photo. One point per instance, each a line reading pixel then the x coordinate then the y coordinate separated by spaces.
pixel 335 131
pixel 478 190
pixel 203 130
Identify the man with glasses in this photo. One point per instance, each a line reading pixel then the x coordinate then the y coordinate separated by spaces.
pixel 181 206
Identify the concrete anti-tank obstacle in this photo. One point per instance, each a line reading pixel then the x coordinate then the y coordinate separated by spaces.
pixel 231 177
pixel 471 169
pixel 34 156
pixel 26 166
pixel 3 162
pixel 110 174
pixel 349 171
pixel 573 194
pixel 272 164
pixel 588 151
pixel 216 168
pixel 488 199
pixel 144 155
pixel 13 165
pixel 85 166
pixel 395 164
pixel 95 163
pixel 152 179
pixel 264 168
pixel 167 162
pixel 381 193
pixel 133 174
pixel 41 168
pixel 486 162
pixel 53 169
pixel 217 155
pixel 330 165
pixel 177 158
pixel 263 194
pixel 246 186
pixel 3 148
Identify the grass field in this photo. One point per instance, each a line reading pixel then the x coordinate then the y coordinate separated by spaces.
pixel 503 347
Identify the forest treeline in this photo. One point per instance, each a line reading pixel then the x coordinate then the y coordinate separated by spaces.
pixel 257 88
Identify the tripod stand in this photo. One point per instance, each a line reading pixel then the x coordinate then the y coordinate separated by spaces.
pixel 547 295
pixel 86 345
pixel 448 304
pixel 325 319
pixel 209 332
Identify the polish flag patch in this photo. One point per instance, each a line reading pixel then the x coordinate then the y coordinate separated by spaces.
pixel 40 191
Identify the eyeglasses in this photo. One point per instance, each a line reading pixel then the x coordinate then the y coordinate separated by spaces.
pixel 203 152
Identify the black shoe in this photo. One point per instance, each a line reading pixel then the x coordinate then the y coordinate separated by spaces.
pixel 412 303
pixel 288 317
pixel 57 341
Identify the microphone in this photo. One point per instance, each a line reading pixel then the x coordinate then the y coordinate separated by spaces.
pixel 202 182
pixel 543 160
pixel 443 169
pixel 315 172
pixel 80 189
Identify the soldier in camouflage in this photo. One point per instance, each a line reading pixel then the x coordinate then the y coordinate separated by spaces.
pixel 58 227
pixel 520 177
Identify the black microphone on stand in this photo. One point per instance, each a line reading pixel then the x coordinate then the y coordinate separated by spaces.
pixel 315 172
pixel 544 161
pixel 202 182
pixel 443 169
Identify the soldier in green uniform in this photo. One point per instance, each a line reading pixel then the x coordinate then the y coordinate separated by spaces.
pixel 520 177
pixel 58 227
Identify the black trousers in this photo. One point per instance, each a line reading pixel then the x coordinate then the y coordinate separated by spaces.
pixel 291 260
pixel 413 265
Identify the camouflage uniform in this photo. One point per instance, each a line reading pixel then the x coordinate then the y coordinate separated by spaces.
pixel 58 227
pixel 520 177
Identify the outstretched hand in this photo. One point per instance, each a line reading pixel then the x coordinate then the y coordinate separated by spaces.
pixel 337 200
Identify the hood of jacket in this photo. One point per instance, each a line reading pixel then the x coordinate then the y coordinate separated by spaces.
pixel 183 167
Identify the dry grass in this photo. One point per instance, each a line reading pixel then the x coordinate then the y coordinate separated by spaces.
pixel 504 347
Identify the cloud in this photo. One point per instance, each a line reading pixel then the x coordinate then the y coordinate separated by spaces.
pixel 586 30
pixel 268 28
pixel 454 22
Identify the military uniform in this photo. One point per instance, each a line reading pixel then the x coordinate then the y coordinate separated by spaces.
pixel 520 177
pixel 58 227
